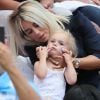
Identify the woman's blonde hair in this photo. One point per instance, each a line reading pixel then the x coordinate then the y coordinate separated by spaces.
pixel 33 12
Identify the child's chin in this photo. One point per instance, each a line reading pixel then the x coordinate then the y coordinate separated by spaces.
pixel 53 53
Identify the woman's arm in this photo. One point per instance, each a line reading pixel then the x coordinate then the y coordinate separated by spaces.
pixel 89 39
pixel 24 90
pixel 89 62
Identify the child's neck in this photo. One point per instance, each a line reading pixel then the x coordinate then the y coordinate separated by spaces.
pixel 57 61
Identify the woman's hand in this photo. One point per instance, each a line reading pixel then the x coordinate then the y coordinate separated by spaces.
pixel 6 60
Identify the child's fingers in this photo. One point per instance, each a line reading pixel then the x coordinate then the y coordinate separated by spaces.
pixel 65 51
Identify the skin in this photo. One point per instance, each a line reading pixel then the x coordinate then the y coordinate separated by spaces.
pixel 25 91
pixel 57 50
pixel 34 32
pixel 5 5
pixel 89 62
pixel 97 2
pixel 48 4
pixel 8 4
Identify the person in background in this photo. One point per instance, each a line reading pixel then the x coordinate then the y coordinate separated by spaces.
pixel 54 67
pixel 82 92
pixel 8 4
pixel 97 2
pixel 33 29
pixel 5 5
pixel 24 90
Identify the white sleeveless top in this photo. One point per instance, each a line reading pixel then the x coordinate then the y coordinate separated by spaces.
pixel 52 86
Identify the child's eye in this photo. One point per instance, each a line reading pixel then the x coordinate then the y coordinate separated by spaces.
pixel 61 43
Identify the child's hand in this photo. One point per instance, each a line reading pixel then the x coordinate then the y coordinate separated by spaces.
pixel 67 55
pixel 42 52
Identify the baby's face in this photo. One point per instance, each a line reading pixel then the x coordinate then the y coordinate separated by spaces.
pixel 56 43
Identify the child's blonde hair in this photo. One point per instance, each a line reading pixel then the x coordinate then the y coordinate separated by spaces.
pixel 71 43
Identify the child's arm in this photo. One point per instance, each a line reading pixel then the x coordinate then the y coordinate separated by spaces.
pixel 70 73
pixel 40 67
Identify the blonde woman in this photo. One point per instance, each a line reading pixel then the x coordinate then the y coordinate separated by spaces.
pixel 32 24
pixel 39 22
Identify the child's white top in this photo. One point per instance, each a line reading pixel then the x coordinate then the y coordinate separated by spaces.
pixel 52 86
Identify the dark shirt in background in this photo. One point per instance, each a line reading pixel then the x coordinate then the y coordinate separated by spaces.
pixel 88 43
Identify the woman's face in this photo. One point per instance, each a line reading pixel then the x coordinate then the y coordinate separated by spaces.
pixel 35 32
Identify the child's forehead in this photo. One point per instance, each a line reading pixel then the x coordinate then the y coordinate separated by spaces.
pixel 59 36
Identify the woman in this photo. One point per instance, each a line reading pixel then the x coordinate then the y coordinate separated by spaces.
pixel 29 28
pixel 46 23
pixel 32 26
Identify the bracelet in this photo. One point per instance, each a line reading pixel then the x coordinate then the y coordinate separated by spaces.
pixel 76 62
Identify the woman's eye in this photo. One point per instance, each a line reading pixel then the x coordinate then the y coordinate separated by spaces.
pixel 35 25
pixel 52 41
pixel 28 31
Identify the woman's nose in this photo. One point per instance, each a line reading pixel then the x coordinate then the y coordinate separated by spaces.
pixel 37 31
